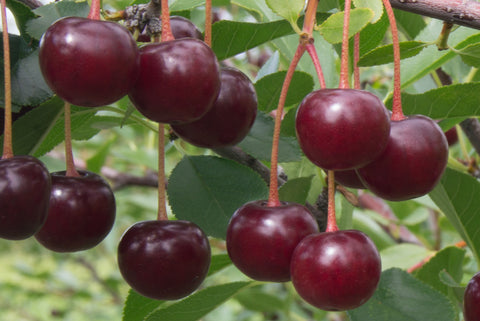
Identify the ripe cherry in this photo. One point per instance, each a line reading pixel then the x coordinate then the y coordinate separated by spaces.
pixel 24 195
pixel 261 238
pixel 81 213
pixel 179 81
pixel 230 118
pixel 164 260
pixel 471 299
pixel 412 163
pixel 349 178
pixel 340 129
pixel 336 271
pixel 88 62
pixel 452 136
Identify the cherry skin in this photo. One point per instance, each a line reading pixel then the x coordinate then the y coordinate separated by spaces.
pixel 471 299
pixel 25 185
pixel 349 178
pixel 452 136
pixel 179 81
pixel 164 260
pixel 88 62
pixel 231 117
pixel 412 163
pixel 81 213
pixel 181 28
pixel 336 271
pixel 340 129
pixel 261 239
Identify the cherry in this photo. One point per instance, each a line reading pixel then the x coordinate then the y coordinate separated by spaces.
pixel 164 260
pixel 261 239
pixel 24 195
pixel 471 299
pixel 336 271
pixel 179 81
pixel 452 136
pixel 231 117
pixel 81 212
pixel 181 28
pixel 349 178
pixel 412 163
pixel 340 129
pixel 88 62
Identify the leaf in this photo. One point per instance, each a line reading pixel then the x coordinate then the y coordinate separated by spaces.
pixel 268 89
pixel 269 67
pixel 96 161
pixel 257 299
pixel 401 297
pixel 231 37
pixel 403 256
pixel 49 13
pixel 180 5
pixel 259 7
pixel 198 304
pixel 207 190
pixel 137 307
pixel 295 190
pixel 375 5
pixel 287 9
pixel 22 15
pixel 373 34
pixel 470 54
pixel 332 28
pixel 218 262
pixel 411 24
pixel 457 197
pixel 384 54
pixel 258 142
pixel 458 100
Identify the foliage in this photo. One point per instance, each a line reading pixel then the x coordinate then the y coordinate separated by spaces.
pixel 206 188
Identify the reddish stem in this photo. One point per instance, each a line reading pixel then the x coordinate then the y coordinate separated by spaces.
pixel 71 170
pixel 316 63
pixel 162 208
pixel 167 34
pixel 94 13
pixel 344 83
pixel 331 216
pixel 397 112
pixel 7 132
pixel 208 22
pixel 273 199
pixel 356 58
pixel 310 17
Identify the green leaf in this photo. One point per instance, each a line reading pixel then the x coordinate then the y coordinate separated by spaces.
pixel 137 307
pixel 198 304
pixel 257 299
pixel 259 7
pixel 401 297
pixel 96 162
pixel 403 256
pixel 295 190
pixel 207 190
pixel 375 5
pixel 450 260
pixel 231 37
pixel 364 223
pixel 218 262
pixel 470 54
pixel 180 5
pixel 448 280
pixel 332 28
pixel 457 197
pixel 258 142
pixel 384 54
pixel 457 100
pixel 22 15
pixel 288 9
pixel 410 23
pixel 49 13
pixel 268 89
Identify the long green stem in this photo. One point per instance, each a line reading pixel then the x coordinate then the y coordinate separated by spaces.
pixel 7 129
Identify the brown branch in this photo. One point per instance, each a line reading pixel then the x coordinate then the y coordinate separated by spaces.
pixel 461 12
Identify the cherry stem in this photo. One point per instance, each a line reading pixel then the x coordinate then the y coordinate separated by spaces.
pixel 397 112
pixel 344 83
pixel 167 34
pixel 273 199
pixel 356 58
pixel 331 216
pixel 71 170
pixel 7 132
pixel 94 12
pixel 316 63
pixel 208 22
pixel 162 208
pixel 310 17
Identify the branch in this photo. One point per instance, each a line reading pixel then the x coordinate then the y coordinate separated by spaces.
pixel 461 12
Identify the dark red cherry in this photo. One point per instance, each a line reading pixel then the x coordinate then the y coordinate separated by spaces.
pixel 88 62
pixel 164 260
pixel 471 299
pixel 412 163
pixel 179 81
pixel 452 136
pixel 24 194
pixel 261 239
pixel 231 117
pixel 81 213
pixel 336 271
pixel 181 28
pixel 340 129
pixel 349 178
